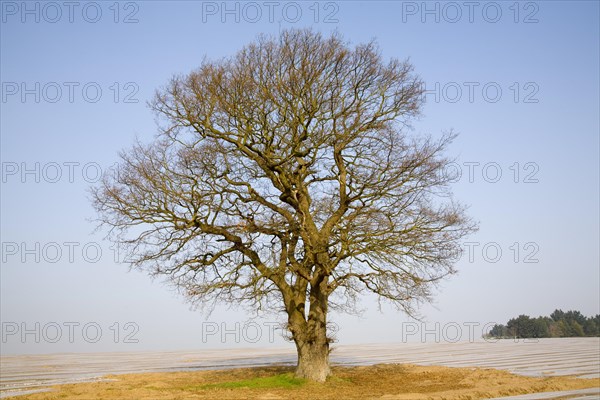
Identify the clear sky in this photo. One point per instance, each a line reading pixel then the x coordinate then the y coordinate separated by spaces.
pixel 518 80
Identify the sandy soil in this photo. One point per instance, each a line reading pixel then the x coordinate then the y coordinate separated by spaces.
pixel 383 381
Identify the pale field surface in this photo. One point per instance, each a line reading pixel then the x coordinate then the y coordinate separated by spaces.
pixel 574 357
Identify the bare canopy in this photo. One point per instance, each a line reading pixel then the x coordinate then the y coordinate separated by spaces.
pixel 284 178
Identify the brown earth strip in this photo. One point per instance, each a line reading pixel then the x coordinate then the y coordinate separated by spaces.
pixel 383 381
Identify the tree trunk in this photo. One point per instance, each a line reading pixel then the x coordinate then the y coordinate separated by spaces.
pixel 313 361
pixel 311 338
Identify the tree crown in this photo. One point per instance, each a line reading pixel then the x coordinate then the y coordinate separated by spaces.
pixel 288 167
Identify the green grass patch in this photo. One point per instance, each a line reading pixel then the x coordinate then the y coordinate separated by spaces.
pixel 285 381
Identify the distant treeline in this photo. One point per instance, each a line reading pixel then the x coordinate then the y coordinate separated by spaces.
pixel 558 324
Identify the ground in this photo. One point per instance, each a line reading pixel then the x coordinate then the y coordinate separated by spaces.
pixel 383 381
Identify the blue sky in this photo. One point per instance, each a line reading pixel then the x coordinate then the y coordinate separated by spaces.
pixel 74 94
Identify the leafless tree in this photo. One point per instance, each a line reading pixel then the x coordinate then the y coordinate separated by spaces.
pixel 285 176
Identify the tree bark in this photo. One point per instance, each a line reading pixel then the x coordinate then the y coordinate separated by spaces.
pixel 312 343
pixel 313 361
